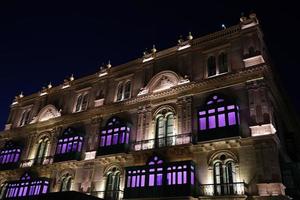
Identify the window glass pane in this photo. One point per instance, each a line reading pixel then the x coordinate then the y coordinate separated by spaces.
pixel 179 178
pixel 133 181
pixel 142 180
pixel 223 66
pixel 119 92
pixel 102 142
pixel 115 138
pixel 151 180
pixel 159 178
pixel 231 118
pixel 108 140
pixel 212 122
pixel 169 177
pixel 79 146
pixel 202 122
pixel 127 90
pixel 221 120
pixel 211 66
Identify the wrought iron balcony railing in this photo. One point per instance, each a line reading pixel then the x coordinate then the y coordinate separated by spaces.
pixel 238 188
pixel 108 195
pixel 162 142
pixel 37 161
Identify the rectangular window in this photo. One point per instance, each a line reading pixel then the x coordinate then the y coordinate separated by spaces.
pixel 169 177
pixel 179 178
pixel 102 142
pixel 133 180
pixel 192 178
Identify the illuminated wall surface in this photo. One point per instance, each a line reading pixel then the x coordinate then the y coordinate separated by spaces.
pixel 201 120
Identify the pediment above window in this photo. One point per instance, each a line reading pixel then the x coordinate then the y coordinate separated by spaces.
pixel 48 112
pixel 163 81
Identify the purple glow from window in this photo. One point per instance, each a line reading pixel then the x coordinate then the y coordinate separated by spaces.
pixel 74 148
pixel 230 107
pixel 202 112
pixel 221 120
pixel 151 180
pixel 231 118
pixel 212 122
pixel 202 122
pixel 79 146
pixel 108 140
pixel 115 139
pixel 133 180
pixel 169 177
pixel 179 177
pixel 159 179
pixel 102 143
pixel 221 109
pixel 128 181
pixel 138 181
pixel 210 102
pixel 192 178
pixel 174 178
pixel 64 146
pixel 211 111
pixel 127 138
pixel 142 180
pixel 220 100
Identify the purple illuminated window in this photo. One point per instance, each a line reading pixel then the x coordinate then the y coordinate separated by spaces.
pixel 10 153
pixel 69 143
pixel 217 114
pixel 26 187
pixel 116 132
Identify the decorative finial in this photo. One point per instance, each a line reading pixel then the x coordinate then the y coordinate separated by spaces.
pixel 180 39
pixel 108 64
pixel 145 52
pixel 153 50
pixel 72 77
pixel 49 85
pixel 223 26
pixel 243 18
pixel 190 37
pixel 21 95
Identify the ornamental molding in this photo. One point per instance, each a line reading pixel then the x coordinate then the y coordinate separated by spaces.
pixel 46 113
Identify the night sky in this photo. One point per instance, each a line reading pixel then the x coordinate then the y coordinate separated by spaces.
pixel 47 41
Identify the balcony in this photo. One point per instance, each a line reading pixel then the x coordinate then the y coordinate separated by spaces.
pixel 162 142
pixel 67 156
pixel 218 133
pixel 238 188
pixel 108 195
pixel 36 161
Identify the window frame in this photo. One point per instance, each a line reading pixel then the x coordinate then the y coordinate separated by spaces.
pixel 82 97
pixel 216 57
pixel 121 90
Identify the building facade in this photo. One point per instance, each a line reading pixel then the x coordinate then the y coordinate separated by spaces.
pixel 204 119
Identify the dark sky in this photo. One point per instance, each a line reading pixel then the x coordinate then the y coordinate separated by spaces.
pixel 47 41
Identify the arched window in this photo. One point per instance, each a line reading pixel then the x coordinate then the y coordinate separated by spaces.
pixel 3 187
pixel 82 102
pixel 123 91
pixel 224 176
pixel 78 103
pixel 10 154
pixel 66 183
pixel 216 68
pixel 211 66
pixel 222 63
pixel 165 134
pixel 42 150
pixel 112 184
pixel 218 113
pixel 24 117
